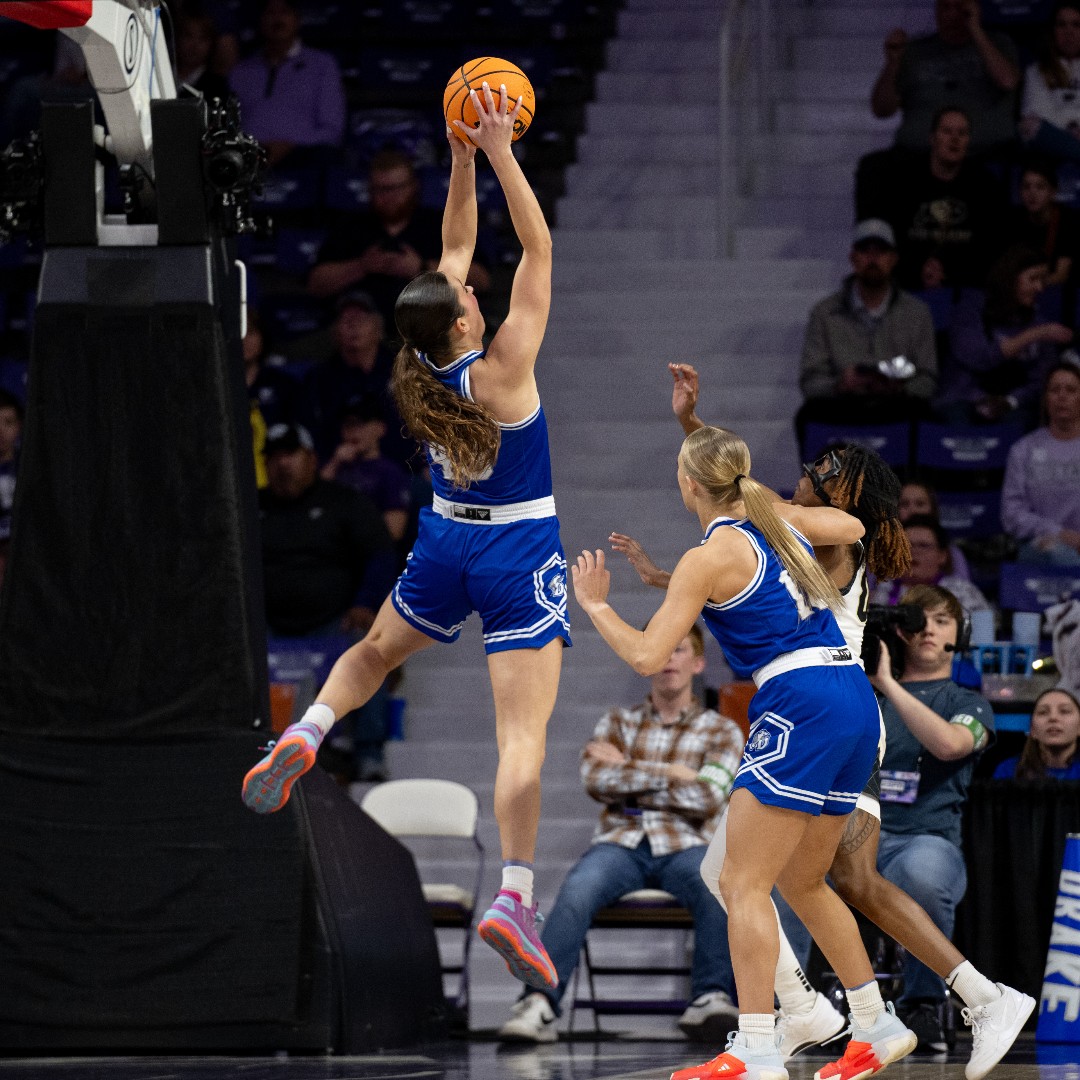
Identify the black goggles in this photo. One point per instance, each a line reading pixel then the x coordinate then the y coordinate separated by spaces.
pixel 826 468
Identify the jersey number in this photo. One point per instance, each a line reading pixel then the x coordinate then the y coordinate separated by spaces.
pixel 802 605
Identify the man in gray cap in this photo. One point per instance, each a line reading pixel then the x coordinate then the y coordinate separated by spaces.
pixel 869 355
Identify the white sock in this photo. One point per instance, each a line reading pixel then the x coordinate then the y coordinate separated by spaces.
pixel 972 985
pixel 793 989
pixel 758 1030
pixel 322 716
pixel 866 1004
pixel 518 877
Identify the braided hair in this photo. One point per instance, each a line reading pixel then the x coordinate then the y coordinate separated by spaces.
pixel 868 489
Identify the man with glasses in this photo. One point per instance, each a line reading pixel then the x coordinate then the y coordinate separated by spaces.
pixel 386 246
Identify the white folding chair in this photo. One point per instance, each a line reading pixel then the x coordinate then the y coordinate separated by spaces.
pixel 436 809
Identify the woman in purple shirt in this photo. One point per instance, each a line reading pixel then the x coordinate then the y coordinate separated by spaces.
pixel 1040 498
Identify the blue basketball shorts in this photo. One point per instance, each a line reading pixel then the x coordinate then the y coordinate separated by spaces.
pixel 813 742
pixel 513 574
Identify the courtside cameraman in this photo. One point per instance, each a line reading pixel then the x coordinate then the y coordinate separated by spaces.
pixel 935 731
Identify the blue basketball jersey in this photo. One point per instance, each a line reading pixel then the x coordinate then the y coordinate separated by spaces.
pixel 771 615
pixel 522 470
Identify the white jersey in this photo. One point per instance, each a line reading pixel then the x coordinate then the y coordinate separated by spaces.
pixel 851 617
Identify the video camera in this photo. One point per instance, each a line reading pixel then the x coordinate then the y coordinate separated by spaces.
pixel 882 626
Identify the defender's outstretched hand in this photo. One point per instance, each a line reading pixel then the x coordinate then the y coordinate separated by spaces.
pixel 591 580
pixel 648 571
pixel 684 396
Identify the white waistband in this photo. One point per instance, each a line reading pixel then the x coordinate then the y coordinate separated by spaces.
pixel 473 514
pixel 800 658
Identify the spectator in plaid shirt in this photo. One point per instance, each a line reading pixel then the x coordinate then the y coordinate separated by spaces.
pixel 663 771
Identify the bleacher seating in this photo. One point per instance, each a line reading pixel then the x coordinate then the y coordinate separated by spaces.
pixel 1024 587
pixel 891 441
pixel 954 457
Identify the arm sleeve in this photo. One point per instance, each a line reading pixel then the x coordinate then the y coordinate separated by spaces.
pixel 974 713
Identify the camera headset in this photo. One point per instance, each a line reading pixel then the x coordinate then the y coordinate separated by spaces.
pixel 963 636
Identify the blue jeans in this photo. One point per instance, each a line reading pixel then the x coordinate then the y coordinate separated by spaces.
pixel 931 870
pixel 607 871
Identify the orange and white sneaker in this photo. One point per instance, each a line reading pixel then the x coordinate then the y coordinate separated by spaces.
pixel 267 786
pixel 738 1062
pixel 871 1049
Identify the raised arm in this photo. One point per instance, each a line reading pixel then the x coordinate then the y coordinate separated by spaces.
pixel 517 341
pixel 684 396
pixel 823 526
pixel 459 216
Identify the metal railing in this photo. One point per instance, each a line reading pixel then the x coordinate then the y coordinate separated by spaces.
pixel 747 85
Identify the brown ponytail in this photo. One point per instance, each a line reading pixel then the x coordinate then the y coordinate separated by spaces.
pixel 463 431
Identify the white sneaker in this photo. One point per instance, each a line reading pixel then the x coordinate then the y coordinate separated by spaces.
pixel 799 1031
pixel 533 1020
pixel 994 1028
pixel 710 1017
pixel 740 1062
pixel 871 1049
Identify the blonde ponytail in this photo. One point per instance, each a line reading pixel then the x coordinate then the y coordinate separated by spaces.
pixel 720 462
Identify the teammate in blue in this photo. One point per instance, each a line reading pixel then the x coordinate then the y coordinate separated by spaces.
pixel 810 749
pixel 490 541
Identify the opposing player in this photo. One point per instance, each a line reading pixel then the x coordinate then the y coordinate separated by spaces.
pixel 490 542
pixel 768 602
pixel 856 480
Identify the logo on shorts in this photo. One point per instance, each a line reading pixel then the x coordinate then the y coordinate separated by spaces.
pixel 549 586
pixel 759 741
pixel 839 654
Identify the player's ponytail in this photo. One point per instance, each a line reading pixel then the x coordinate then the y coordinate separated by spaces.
pixel 720 462
pixel 465 433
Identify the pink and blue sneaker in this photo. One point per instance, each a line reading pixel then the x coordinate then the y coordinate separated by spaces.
pixel 267 785
pixel 509 927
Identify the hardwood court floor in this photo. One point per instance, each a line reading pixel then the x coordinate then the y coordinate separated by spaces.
pixel 610 1058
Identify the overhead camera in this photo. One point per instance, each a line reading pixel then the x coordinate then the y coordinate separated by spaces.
pixel 22 186
pixel 882 626
pixel 233 164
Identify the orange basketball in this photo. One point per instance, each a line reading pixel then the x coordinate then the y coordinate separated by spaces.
pixel 495 72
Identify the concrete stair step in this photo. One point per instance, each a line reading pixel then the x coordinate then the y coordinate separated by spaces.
pixel 827 211
pixel 810 116
pixel 794 241
pixel 633 240
pixel 842 20
pixel 615 181
pixel 713 273
pixel 611 307
pixel 644 54
pixel 669 24
pixel 750 331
